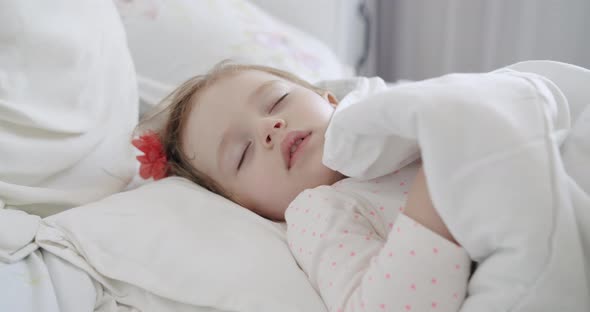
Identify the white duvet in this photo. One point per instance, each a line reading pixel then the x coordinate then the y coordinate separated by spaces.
pixel 506 158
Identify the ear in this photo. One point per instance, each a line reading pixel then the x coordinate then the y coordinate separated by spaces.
pixel 331 98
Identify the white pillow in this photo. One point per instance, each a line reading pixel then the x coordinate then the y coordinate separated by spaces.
pixel 174 40
pixel 181 244
pixel 68 104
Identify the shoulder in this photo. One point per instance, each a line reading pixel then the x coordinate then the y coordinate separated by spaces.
pixel 321 202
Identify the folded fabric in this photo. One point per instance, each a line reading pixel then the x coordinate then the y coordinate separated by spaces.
pixel 17 233
pixel 68 104
pixel 174 246
pixel 490 148
pixel 575 149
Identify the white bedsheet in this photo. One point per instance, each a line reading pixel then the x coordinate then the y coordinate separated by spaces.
pixel 490 145
pixel 42 282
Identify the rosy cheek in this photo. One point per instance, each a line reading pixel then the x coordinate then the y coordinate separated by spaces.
pixel 257 187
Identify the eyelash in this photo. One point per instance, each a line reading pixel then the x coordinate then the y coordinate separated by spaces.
pixel 272 107
pixel 243 155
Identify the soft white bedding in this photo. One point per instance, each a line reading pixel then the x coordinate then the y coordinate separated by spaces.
pixel 68 104
pixel 93 238
pixel 44 282
pixel 239 30
pixel 490 145
pixel 67 144
pixel 173 246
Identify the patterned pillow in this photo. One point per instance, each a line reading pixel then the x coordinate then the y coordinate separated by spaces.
pixel 173 40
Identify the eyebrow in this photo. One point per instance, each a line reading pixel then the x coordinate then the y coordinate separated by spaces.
pixel 221 149
pixel 261 89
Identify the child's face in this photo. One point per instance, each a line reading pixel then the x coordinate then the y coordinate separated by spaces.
pixel 236 135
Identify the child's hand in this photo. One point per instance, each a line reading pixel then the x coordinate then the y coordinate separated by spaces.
pixel 419 207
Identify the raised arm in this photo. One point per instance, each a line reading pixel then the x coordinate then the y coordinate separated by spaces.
pixel 420 208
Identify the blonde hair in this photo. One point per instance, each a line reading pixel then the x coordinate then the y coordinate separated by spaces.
pixel 178 106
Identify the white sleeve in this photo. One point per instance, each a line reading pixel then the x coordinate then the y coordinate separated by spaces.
pixel 354 269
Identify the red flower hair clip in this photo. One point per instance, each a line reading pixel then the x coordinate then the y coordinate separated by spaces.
pixel 153 161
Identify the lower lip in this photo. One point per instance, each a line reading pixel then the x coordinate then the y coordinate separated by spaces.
pixel 298 151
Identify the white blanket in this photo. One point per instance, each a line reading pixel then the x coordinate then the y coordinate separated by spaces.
pixel 490 145
pixel 482 115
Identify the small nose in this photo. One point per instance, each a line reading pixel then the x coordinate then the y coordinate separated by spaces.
pixel 269 128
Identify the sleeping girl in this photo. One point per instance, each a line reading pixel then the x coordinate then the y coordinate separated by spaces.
pixel 256 135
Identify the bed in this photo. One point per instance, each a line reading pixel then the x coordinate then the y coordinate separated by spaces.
pixel 70 239
pixel 79 230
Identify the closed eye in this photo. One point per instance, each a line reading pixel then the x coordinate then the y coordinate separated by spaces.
pixel 277 102
pixel 244 155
